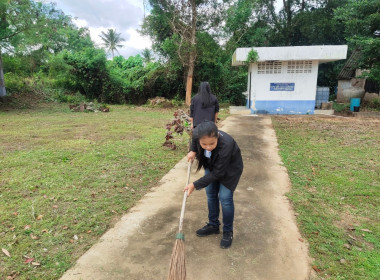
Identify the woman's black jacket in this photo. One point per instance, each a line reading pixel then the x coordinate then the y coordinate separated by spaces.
pixel 200 114
pixel 225 164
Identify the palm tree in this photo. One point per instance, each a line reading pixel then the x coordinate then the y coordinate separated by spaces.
pixel 147 55
pixel 111 40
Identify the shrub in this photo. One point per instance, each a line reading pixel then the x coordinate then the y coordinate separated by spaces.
pixel 341 107
pixel 61 96
pixel 14 83
pixel 373 105
pixel 252 57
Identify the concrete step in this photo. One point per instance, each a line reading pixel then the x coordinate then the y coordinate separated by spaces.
pixel 239 110
pixel 323 112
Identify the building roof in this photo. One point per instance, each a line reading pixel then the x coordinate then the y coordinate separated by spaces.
pixel 348 70
pixel 321 53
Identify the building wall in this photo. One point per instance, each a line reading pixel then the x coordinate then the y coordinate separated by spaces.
pixel 353 83
pixel 283 87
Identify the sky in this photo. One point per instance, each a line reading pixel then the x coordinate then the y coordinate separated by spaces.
pixel 125 16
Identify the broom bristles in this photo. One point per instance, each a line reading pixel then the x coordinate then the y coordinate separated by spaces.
pixel 177 270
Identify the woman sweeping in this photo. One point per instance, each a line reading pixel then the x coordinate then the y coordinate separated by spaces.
pixel 218 153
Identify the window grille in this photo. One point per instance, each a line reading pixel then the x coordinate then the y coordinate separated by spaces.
pixel 269 67
pixel 299 66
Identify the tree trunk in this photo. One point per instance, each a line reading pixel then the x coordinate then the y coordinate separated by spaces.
pixel 288 13
pixel 272 11
pixel 189 82
pixel 3 92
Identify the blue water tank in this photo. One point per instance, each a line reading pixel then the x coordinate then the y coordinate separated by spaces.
pixel 322 96
pixel 354 102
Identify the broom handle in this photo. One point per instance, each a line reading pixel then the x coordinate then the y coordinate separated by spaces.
pixel 184 198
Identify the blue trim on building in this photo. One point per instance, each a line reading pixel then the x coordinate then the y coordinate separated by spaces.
pixel 284 107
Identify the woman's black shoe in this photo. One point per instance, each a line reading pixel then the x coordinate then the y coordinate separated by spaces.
pixel 226 240
pixel 207 230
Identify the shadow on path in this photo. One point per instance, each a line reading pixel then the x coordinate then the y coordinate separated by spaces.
pixel 266 239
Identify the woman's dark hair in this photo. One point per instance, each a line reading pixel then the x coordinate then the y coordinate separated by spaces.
pixel 204 129
pixel 205 93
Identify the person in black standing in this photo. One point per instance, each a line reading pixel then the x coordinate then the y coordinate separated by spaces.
pixel 204 106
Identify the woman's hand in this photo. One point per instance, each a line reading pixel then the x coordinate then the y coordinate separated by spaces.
pixel 191 156
pixel 189 188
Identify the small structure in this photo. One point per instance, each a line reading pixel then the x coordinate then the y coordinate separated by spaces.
pixel 352 84
pixel 284 79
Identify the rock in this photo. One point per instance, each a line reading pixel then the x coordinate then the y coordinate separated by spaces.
pixel 87 107
pixel 370 96
pixel 104 109
pixel 342 261
pixel 326 106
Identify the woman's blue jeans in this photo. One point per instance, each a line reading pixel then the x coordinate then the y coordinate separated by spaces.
pixel 218 192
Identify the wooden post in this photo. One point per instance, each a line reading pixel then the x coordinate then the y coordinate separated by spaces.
pixel 192 56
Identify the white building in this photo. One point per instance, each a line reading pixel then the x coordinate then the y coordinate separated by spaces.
pixel 284 80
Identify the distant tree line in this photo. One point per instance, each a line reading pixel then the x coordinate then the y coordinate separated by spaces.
pixel 41 49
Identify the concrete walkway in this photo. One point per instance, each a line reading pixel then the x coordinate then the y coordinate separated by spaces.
pixel 267 244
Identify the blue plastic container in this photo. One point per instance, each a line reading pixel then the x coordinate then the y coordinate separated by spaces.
pixel 354 102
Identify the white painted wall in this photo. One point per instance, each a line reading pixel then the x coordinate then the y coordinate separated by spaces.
pixel 304 89
pixel 300 100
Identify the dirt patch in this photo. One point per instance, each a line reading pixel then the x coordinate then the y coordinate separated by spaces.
pixel 351 226
pixel 22 101
pixel 347 222
pixel 359 129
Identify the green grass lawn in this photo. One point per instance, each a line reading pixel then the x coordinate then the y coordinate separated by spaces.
pixel 334 167
pixel 65 178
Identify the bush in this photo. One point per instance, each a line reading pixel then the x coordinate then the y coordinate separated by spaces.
pixel 341 107
pixel 62 97
pixel 372 105
pixel 375 103
pixel 20 65
pixel 88 70
pixel 14 83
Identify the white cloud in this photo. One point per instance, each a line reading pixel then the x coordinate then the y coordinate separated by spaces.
pixel 125 16
pixel 137 40
pixel 105 13
pixel 80 22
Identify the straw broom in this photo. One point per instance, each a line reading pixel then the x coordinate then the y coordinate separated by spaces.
pixel 177 270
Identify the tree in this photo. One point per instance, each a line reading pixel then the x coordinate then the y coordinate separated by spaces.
pixel 27 26
pixel 175 23
pixel 182 19
pixel 112 40
pixel 88 72
pixel 2 27
pixel 361 20
pixel 147 55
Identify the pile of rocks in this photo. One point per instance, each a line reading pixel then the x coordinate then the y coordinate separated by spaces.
pixel 88 107
pixel 160 102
